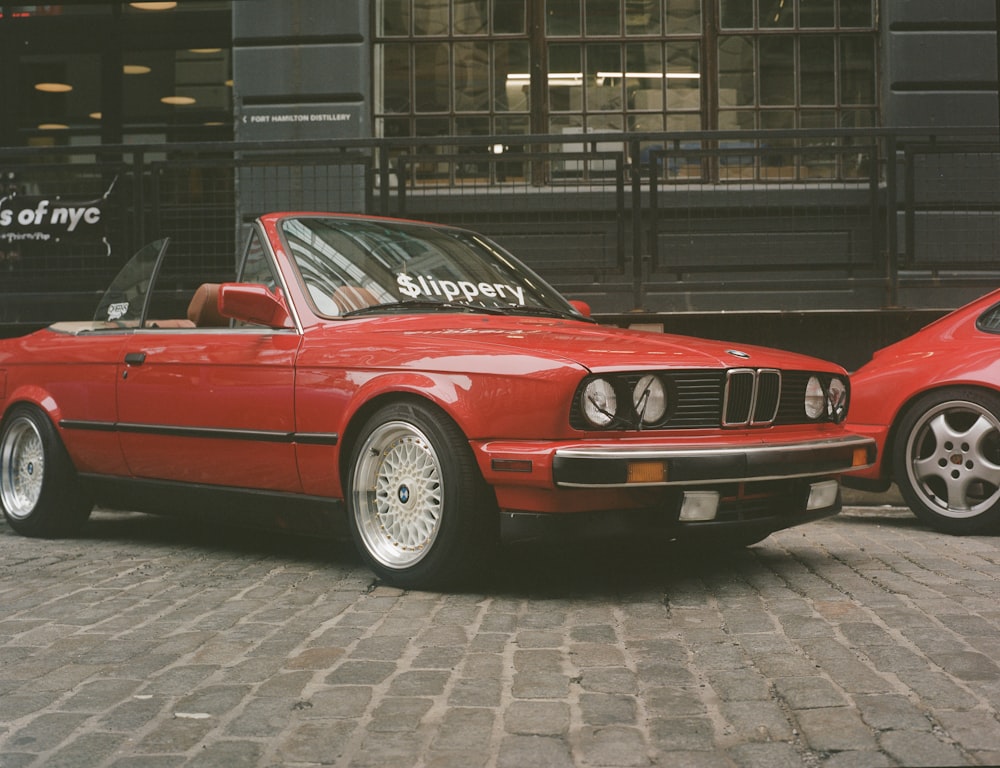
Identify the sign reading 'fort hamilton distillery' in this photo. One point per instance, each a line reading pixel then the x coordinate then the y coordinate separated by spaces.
pixel 321 121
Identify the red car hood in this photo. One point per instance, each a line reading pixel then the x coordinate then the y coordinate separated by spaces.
pixel 596 347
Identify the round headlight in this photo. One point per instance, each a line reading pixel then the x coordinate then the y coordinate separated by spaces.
pixel 600 404
pixel 836 405
pixel 650 399
pixel 815 400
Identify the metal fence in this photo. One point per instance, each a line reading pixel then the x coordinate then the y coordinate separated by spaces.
pixel 637 224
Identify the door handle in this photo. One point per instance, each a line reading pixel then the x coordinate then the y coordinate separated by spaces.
pixel 135 358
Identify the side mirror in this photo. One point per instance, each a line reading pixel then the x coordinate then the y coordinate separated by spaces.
pixel 253 303
pixel 580 306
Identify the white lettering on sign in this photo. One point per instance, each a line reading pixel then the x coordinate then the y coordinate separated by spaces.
pixel 298 117
pixel 72 216
pixel 44 213
pixel 13 237
pixel 452 289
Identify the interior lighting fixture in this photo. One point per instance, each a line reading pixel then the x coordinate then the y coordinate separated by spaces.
pixel 95 115
pixel 52 127
pixel 204 50
pixel 576 78
pixel 53 87
pixel 179 101
pixel 136 69
pixel 651 75
pixel 154 6
pixel 554 78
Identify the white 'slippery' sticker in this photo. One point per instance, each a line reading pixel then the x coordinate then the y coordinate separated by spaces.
pixel 415 287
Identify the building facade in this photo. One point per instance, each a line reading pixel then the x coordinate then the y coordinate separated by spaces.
pixel 192 70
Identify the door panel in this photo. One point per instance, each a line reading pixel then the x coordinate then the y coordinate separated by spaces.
pixel 80 391
pixel 210 406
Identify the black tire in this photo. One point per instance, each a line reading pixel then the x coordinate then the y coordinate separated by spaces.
pixel 946 460
pixel 419 511
pixel 39 489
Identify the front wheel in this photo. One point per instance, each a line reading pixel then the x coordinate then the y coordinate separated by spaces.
pixel 947 460
pixel 419 511
pixel 39 489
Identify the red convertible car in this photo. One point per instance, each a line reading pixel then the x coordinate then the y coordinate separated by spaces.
pixel 932 402
pixel 418 378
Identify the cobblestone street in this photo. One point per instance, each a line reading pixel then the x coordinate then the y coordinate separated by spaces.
pixel 865 640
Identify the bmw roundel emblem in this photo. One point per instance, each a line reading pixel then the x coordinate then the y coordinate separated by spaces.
pixel 738 353
pixel 404 494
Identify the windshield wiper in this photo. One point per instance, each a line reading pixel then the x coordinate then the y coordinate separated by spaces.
pixel 434 306
pixel 543 312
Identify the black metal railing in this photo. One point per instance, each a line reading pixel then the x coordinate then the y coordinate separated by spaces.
pixel 636 224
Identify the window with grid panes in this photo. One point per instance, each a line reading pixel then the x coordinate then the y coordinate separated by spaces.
pixel 464 67
pixel 797 64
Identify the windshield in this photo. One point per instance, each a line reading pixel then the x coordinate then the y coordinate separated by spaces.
pixel 371 266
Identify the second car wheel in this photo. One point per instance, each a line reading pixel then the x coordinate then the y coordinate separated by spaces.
pixel 39 490
pixel 947 460
pixel 419 511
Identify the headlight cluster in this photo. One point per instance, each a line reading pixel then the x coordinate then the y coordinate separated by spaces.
pixel 628 401
pixel 735 398
pixel 827 402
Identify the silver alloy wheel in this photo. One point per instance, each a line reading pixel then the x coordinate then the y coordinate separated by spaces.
pixel 22 468
pixel 398 494
pixel 948 459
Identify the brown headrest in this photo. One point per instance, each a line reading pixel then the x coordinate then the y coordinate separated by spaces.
pixel 203 310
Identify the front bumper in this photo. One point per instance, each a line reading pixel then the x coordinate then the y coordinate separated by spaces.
pixel 618 466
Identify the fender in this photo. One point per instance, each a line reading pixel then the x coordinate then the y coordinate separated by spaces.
pixel 35 395
pixel 91 451
pixel 478 403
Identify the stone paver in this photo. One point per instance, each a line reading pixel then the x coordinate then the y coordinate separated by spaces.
pixel 865 640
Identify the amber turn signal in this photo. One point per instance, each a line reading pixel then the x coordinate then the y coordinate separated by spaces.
pixel 647 472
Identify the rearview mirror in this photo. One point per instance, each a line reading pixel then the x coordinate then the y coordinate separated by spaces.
pixel 253 303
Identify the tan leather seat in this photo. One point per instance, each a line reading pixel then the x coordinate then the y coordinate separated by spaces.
pixel 350 297
pixel 203 310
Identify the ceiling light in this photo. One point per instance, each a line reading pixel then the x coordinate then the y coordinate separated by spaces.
pixel 554 78
pixel 650 75
pixel 52 127
pixel 153 6
pixel 136 69
pixel 53 87
pixel 95 115
pixel 177 100
pixel 205 50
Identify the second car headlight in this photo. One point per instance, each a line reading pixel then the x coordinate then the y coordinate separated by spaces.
pixel 828 401
pixel 837 400
pixel 650 399
pixel 815 400
pixel 600 403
